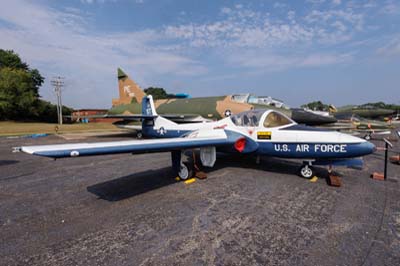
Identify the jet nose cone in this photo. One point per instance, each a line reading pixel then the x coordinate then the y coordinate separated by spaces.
pixel 373 147
pixel 369 147
pixel 309 118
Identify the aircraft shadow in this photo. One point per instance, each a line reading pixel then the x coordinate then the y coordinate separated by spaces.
pixel 8 162
pixel 132 185
pixel 268 164
pixel 138 183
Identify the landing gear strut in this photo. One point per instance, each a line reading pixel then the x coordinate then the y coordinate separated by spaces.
pixel 368 136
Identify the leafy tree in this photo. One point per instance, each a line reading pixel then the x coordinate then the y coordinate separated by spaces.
pixel 19 91
pixel 18 94
pixel 11 60
pixel 316 106
pixel 158 93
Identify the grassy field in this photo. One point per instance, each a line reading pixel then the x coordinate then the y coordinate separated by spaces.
pixel 10 128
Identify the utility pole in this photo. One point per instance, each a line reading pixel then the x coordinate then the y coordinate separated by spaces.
pixel 58 84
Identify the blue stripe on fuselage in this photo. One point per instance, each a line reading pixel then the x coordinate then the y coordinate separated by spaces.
pixel 315 150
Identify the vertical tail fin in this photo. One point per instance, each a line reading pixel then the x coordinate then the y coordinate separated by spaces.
pixel 148 106
pixel 154 126
pixel 128 90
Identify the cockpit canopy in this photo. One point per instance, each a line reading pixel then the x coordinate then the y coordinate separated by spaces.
pixel 261 100
pixel 275 119
pixel 252 118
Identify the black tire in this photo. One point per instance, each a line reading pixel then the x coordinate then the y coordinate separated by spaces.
pixel 186 171
pixel 306 171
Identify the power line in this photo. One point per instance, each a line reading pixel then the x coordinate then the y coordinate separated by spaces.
pixel 58 84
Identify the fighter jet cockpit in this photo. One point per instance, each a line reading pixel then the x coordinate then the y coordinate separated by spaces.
pixel 252 118
pixel 261 100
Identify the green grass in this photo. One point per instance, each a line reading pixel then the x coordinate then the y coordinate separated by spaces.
pixel 11 128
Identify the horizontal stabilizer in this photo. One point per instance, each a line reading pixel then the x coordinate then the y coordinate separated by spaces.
pixel 132 117
pixel 174 118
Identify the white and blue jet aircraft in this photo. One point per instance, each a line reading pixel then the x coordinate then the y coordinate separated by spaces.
pixel 255 132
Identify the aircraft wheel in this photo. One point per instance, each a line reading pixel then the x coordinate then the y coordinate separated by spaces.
pixel 306 171
pixel 367 137
pixel 139 135
pixel 186 171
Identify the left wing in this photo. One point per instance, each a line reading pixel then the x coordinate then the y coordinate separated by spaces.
pixel 196 139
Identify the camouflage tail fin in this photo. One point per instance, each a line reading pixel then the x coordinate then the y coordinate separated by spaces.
pixel 129 91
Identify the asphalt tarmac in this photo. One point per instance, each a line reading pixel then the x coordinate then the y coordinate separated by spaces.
pixel 129 210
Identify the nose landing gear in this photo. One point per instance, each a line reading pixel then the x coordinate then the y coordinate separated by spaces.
pixel 306 171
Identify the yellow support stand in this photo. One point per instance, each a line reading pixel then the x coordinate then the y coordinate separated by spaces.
pixel 190 181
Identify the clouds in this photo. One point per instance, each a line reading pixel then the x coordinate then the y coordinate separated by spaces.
pixel 275 62
pixel 391 8
pixel 392 48
pixel 66 40
pixel 260 41
pixel 241 27
pixel 59 43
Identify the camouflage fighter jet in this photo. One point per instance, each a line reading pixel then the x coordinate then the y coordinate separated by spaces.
pixel 354 124
pixel 190 110
pixel 364 111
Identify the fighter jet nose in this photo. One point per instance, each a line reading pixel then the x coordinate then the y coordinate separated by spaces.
pixel 309 118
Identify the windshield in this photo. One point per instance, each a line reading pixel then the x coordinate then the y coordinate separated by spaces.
pixel 248 118
pixel 275 119
pixel 252 99
pixel 240 98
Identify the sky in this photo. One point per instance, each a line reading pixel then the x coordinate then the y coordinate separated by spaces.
pixel 340 52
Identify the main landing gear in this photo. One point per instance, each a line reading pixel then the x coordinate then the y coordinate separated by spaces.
pixel 184 170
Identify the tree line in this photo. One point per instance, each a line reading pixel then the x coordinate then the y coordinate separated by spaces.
pixel 19 91
pixel 159 93
pixel 320 106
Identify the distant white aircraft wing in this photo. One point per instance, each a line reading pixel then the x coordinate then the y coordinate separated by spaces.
pixel 197 139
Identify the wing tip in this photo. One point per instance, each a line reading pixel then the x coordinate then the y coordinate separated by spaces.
pixel 25 150
pixel 16 149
